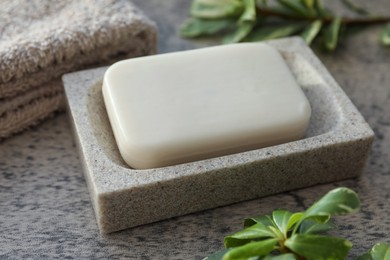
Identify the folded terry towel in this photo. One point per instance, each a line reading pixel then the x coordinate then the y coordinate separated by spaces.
pixel 42 39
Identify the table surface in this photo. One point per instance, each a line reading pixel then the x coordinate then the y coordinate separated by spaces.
pixel 45 209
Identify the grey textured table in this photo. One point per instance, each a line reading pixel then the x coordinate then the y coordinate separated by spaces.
pixel 45 210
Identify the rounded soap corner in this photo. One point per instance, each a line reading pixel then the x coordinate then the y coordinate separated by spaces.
pixel 110 73
pixel 105 76
pixel 137 156
pixel 112 67
pixel 272 48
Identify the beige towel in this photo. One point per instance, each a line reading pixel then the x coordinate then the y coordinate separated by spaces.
pixel 42 39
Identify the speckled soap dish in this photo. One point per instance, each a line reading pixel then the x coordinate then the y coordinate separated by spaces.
pixel 335 147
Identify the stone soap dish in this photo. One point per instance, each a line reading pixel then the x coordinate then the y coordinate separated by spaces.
pixel 335 147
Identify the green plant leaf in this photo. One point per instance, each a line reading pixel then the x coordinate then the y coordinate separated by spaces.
pixel 242 31
pixel 277 233
pixel 266 220
pixel 245 24
pixel 212 9
pixel 257 231
pixel 320 9
pixel 380 251
pixel 295 218
pixel 309 226
pixel 281 218
pixel 274 32
pixel 197 27
pixel 287 256
pixel 320 219
pixel 309 4
pixel 296 7
pixel 350 4
pixel 339 201
pixel 251 249
pixel 217 255
pixel 281 9
pixel 249 13
pixel 318 247
pixel 385 35
pixel 311 31
pixel 332 34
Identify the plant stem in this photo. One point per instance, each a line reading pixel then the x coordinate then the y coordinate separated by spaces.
pixel 327 19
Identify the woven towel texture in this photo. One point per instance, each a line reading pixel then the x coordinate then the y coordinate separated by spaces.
pixel 42 39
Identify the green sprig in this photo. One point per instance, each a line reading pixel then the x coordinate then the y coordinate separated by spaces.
pixel 380 251
pixel 250 20
pixel 287 235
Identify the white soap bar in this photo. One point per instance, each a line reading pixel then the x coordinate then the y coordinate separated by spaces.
pixel 186 106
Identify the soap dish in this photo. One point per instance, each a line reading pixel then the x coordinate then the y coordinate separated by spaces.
pixel 335 147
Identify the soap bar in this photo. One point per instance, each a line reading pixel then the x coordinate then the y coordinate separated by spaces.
pixel 180 107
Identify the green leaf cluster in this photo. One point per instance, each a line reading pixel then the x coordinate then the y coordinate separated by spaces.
pixel 380 251
pixel 251 20
pixel 286 235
